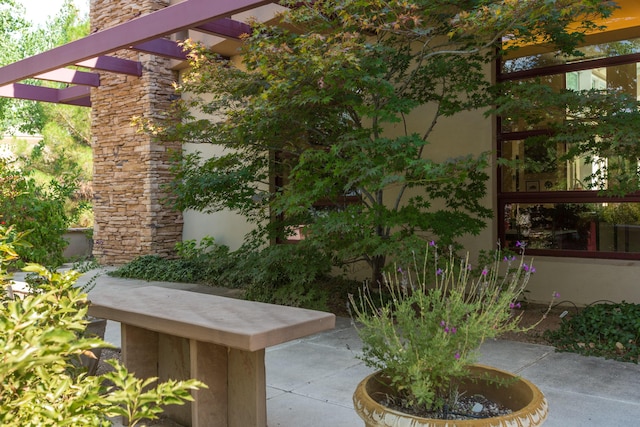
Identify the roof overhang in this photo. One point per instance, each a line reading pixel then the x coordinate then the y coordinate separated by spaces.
pixel 157 33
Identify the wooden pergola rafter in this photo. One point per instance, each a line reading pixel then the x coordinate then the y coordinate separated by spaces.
pixel 146 33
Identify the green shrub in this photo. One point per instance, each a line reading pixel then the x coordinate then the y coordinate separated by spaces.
pixel 196 263
pixel 39 209
pixel 280 274
pixel 42 337
pixel 286 275
pixel 426 335
pixel 607 330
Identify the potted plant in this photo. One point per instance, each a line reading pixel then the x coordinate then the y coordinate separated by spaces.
pixel 422 333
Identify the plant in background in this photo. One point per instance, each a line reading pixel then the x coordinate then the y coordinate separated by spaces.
pixel 606 330
pixel 426 333
pixel 42 338
pixel 39 209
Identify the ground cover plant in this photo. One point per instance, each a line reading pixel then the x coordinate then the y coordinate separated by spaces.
pixel 269 275
pixel 600 331
pixel 607 330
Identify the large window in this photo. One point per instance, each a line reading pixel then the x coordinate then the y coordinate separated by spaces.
pixel 552 204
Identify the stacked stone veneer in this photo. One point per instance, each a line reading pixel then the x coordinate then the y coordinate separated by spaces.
pixel 129 167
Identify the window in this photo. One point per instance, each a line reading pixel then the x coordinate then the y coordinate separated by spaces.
pixel 549 203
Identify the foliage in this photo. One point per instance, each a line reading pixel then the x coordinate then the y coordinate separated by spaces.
pixel 196 263
pixel 284 274
pixel 606 330
pixel 426 333
pixel 278 274
pixel 42 336
pixel 64 153
pixel 20 40
pixel 325 124
pixel 36 208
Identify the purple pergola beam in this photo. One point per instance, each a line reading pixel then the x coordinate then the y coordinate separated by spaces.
pixel 225 27
pixel 65 75
pixel 161 47
pixel 178 17
pixel 76 95
pixel 113 64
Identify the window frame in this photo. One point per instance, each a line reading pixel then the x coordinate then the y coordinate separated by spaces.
pixel 504 198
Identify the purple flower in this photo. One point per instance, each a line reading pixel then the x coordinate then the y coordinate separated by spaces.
pixel 520 244
pixel 514 305
pixel 432 243
pixel 453 330
pixel 484 272
pixel 442 323
pixel 556 294
pixel 468 266
pixel 457 355
pixel 438 272
pixel 400 270
pixel 446 330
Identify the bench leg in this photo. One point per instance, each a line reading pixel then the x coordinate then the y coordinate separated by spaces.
pixel 209 365
pixel 237 393
pixel 247 389
pixel 140 351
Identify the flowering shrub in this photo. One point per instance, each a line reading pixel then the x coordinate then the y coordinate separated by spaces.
pixel 424 331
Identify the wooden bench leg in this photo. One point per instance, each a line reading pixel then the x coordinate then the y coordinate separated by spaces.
pixel 209 365
pixel 247 389
pixel 140 351
pixel 237 394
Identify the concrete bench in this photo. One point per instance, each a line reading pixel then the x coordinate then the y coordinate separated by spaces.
pixel 220 341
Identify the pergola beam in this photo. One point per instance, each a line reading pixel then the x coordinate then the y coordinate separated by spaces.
pixel 113 64
pixel 225 27
pixel 161 47
pixel 76 95
pixel 66 75
pixel 178 17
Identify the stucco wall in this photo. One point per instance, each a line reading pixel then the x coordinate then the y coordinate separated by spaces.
pixel 584 281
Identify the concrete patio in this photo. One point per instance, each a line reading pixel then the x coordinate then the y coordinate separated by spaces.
pixel 310 380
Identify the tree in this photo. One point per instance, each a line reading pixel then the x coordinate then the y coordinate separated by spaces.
pixel 326 102
pixel 20 40
pixel 64 153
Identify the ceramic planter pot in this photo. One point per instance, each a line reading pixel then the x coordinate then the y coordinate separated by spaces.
pixel 527 402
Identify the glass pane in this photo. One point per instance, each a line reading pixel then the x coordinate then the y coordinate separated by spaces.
pixel 604 50
pixel 533 166
pixel 592 227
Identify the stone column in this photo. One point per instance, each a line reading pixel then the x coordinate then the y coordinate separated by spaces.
pixel 129 167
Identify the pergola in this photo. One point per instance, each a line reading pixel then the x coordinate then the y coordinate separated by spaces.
pixel 157 33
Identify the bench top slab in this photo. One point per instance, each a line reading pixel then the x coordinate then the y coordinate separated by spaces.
pixel 245 325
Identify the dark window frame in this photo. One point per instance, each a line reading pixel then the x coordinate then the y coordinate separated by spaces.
pixel 554 197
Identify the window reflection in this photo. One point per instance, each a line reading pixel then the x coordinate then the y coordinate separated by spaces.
pixel 597 51
pixel 593 227
pixel 533 162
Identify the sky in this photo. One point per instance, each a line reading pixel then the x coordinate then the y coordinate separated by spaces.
pixel 38 11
